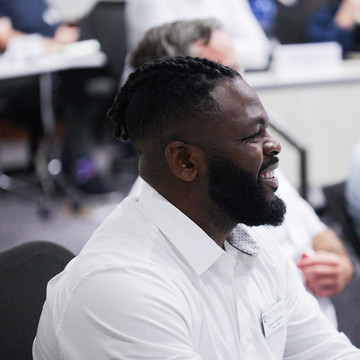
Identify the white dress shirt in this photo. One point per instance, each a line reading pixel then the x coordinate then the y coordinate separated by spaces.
pixel 250 41
pixel 151 284
pixel 296 234
pixel 301 223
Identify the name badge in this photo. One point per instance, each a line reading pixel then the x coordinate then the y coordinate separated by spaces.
pixel 273 318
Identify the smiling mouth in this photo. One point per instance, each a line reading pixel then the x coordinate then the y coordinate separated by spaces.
pixel 269 179
pixel 268 175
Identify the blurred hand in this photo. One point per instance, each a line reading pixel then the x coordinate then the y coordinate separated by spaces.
pixel 355 4
pixel 66 34
pixel 6 32
pixel 348 14
pixel 326 273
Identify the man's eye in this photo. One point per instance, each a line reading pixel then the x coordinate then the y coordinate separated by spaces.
pixel 254 136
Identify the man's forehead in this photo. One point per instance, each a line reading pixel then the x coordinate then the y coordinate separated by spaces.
pixel 238 107
pixel 236 93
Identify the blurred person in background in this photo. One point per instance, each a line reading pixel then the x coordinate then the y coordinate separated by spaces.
pixel 336 20
pixel 80 112
pixel 249 40
pixel 265 12
pixel 201 38
pixel 323 262
pixel 20 17
pixel 285 21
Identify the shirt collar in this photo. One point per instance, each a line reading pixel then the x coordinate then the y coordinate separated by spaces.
pixel 195 246
pixel 243 241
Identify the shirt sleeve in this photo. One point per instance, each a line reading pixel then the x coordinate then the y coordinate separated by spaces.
pixel 142 15
pixel 322 27
pixel 299 210
pixel 250 41
pixel 301 223
pixel 4 8
pixel 131 312
pixel 307 216
pixel 31 17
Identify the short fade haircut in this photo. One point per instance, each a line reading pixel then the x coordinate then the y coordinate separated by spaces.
pixel 173 39
pixel 169 94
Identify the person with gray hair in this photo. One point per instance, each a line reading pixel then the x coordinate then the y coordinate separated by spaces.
pixel 249 40
pixel 186 38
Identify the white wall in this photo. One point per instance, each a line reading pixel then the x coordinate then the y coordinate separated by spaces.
pixel 327 120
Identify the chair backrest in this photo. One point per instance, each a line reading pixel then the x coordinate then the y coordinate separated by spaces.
pixel 336 209
pixel 24 273
pixel 347 303
pixel 106 24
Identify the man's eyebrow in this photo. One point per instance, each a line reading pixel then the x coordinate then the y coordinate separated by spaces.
pixel 260 120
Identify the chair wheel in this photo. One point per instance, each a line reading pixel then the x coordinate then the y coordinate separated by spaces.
pixel 44 211
pixel 75 206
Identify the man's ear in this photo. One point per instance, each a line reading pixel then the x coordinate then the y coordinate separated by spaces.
pixel 182 159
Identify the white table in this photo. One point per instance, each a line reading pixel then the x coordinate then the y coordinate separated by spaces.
pixel 84 54
pixel 79 56
pixel 49 63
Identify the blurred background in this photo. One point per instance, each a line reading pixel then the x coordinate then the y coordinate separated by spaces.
pixel 61 172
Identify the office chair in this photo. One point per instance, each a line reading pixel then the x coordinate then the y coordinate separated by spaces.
pixel 346 303
pixel 28 115
pixel 24 273
pixel 336 209
pixel 106 24
pixel 347 307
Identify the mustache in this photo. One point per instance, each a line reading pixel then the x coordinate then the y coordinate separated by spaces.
pixel 273 161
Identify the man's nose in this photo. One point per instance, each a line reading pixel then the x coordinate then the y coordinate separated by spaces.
pixel 272 146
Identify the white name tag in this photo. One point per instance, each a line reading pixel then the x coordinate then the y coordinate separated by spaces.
pixel 273 318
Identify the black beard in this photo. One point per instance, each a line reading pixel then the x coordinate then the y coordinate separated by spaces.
pixel 241 197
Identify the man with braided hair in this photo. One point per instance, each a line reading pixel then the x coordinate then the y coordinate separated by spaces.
pixel 172 273
pixel 324 265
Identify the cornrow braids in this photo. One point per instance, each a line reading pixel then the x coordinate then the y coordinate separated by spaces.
pixel 165 93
